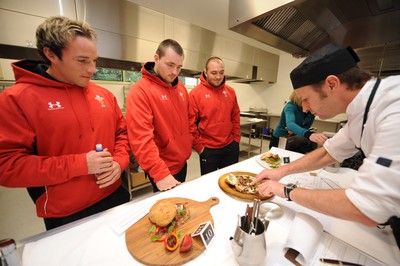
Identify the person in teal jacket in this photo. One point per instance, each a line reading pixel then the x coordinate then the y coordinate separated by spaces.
pixel 294 121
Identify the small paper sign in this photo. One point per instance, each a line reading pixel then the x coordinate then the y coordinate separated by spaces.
pixel 206 232
pixel 286 159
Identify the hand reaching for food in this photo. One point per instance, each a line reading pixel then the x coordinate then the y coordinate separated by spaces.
pixel 268 174
pixel 271 187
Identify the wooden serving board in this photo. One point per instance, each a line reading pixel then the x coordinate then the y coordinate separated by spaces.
pixel 138 242
pixel 231 191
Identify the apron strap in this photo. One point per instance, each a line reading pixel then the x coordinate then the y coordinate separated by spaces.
pixel 371 97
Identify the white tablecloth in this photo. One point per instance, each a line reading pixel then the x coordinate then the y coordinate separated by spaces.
pixel 97 241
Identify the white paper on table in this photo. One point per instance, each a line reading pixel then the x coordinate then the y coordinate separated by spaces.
pixel 322 180
pixel 126 219
pixel 331 247
pixel 308 237
pixel 304 236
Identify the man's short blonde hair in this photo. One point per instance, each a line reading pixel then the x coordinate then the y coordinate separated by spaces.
pixel 56 32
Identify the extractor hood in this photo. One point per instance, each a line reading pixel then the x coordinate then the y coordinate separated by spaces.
pixel 371 27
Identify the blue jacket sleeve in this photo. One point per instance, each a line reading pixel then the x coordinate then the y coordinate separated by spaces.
pixel 295 120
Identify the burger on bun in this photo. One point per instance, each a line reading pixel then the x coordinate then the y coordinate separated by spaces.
pixel 165 218
pixel 162 213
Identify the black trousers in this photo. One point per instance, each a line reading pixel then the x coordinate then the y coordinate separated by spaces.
pixel 273 142
pixel 181 177
pixel 118 197
pixel 35 192
pixel 214 159
pixel 295 143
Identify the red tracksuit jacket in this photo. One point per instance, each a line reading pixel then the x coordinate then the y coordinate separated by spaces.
pixel 158 124
pixel 218 111
pixel 46 129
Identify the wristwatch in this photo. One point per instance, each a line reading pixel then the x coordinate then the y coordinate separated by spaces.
pixel 287 189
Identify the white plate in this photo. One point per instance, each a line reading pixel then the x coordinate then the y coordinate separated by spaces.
pixel 264 164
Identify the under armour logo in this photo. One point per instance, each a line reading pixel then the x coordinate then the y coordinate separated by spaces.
pixel 225 93
pixel 164 97
pixel 208 96
pixel 55 106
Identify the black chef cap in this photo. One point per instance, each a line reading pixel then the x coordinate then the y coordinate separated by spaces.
pixel 328 60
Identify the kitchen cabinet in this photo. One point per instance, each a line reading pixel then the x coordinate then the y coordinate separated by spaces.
pixel 19 19
pixel 267 65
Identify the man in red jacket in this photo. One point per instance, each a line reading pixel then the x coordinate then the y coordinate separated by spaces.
pixel 214 119
pixel 51 120
pixel 157 117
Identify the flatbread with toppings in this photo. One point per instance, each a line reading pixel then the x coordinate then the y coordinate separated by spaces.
pixel 241 183
pixel 237 185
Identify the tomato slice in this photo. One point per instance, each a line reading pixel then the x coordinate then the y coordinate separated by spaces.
pixel 171 241
pixel 186 244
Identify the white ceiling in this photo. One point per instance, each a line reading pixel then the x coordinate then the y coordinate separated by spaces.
pixel 209 14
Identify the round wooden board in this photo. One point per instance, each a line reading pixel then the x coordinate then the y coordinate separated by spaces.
pixel 137 237
pixel 233 192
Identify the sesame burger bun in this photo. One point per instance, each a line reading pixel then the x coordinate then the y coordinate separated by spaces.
pixel 162 213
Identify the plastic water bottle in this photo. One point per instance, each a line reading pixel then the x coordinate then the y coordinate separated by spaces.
pixel 99 148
